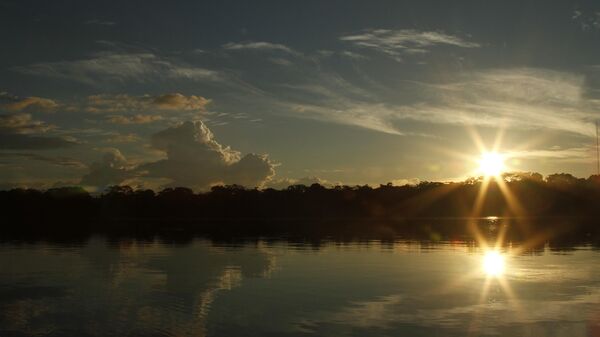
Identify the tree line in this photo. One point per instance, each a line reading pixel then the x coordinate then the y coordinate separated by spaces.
pixel 233 209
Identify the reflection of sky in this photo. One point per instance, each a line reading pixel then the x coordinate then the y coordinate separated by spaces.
pixel 279 290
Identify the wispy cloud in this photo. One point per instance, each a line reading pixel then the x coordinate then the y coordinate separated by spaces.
pixel 100 22
pixel 126 109
pixel 573 155
pixel 58 161
pixel 587 21
pixel 521 98
pixel 397 43
pixel 13 103
pixel 353 55
pixel 371 116
pixel 123 138
pixel 23 123
pixel 146 103
pixel 135 119
pixel 259 46
pixel 515 98
pixel 281 61
pixel 17 141
pixel 106 67
pixel 21 131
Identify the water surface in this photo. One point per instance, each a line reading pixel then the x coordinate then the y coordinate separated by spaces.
pixel 278 288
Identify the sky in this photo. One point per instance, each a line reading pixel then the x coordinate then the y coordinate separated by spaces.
pixel 157 94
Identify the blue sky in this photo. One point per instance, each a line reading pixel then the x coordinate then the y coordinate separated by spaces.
pixel 268 93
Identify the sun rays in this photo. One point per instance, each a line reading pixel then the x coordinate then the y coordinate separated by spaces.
pixel 494 260
pixel 491 164
pixel 495 251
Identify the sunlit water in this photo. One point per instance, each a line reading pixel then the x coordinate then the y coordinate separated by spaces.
pixel 281 289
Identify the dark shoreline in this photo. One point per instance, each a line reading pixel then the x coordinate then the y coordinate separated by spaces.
pixel 560 208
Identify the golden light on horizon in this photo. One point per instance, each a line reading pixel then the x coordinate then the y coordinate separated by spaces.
pixel 491 164
pixel 493 263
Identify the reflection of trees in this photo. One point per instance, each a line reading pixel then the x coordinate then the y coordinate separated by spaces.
pixel 136 289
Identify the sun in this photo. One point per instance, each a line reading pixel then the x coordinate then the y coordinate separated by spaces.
pixel 491 164
pixel 493 263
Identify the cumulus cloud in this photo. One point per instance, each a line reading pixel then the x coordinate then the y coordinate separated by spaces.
pixel 107 67
pixel 404 41
pixel 111 170
pixel 14 104
pixel 195 159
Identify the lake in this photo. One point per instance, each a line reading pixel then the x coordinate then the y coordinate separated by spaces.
pixel 127 287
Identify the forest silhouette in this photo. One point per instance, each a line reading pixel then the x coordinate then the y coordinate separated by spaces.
pixel 561 205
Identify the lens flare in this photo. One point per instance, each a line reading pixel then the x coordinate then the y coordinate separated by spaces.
pixel 493 263
pixel 491 164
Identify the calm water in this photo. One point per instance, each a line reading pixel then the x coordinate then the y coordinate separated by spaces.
pixel 280 289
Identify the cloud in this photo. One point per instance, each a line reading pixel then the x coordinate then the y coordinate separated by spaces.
pixel 135 119
pixel 353 55
pixel 12 103
pixel 372 116
pixel 259 46
pixel 587 21
pixel 58 161
pixel 100 22
pixel 22 123
pixel 111 170
pixel 145 103
pixel 195 159
pixel 16 132
pixel 107 67
pixel 513 98
pixel 126 109
pixel 574 154
pixel 180 102
pixel 281 61
pixel 521 98
pixel 15 141
pixel 123 138
pixel 332 98
pixel 404 41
